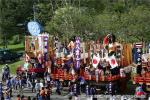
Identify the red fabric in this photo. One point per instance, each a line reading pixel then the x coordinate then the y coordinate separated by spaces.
pixel 140 93
pixel 94 61
pixel 56 76
pixel 94 77
pixel 36 70
pixel 70 77
pixel 147 80
pixel 113 61
pixel 105 41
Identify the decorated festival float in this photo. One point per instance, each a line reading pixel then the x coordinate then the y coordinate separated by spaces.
pixel 105 64
pixel 141 75
pixel 37 47
pixel 99 64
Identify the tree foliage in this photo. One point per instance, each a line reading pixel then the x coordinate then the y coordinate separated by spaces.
pixel 128 19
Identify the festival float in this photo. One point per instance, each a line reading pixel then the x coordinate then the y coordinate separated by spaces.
pixel 142 59
pixel 97 63
pixel 36 57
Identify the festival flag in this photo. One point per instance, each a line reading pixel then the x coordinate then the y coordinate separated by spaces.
pixel 95 60
pixel 112 61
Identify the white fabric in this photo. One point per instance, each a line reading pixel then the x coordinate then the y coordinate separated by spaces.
pixel 26 66
pixel 40 42
pixel 72 72
pixel 38 86
pixel 122 72
pixel 48 78
pixel 29 85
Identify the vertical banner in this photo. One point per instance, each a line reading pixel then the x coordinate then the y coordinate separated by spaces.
pixel 27 44
pixel 77 52
pixel 149 48
pixel 84 57
pixel 118 54
pixel 40 42
pixel 36 43
pixel 45 47
pixel 138 47
pixel 57 47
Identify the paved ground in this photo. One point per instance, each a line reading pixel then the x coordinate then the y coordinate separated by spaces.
pixel 27 92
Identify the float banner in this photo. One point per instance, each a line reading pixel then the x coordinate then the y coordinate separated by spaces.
pixel 45 48
pixel 138 47
pixel 77 52
pixel 149 48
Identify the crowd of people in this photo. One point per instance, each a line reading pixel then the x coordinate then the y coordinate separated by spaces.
pixel 41 86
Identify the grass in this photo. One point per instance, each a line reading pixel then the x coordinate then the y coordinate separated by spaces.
pixel 16 47
pixel 13 66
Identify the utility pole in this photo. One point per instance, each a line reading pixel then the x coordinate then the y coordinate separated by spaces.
pixel 34 12
pixel 5 40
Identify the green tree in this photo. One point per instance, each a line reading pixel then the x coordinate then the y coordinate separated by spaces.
pixel 12 14
pixel 136 23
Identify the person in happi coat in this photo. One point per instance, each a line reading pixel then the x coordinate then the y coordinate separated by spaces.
pixel 1 91
pixel 9 86
pixel 76 91
pixel 82 83
pixel 87 90
pixel 71 88
pixel 109 88
pixel 139 91
pixel 18 82
pixel 6 73
pixel 7 94
pixel 93 92
pixel 58 87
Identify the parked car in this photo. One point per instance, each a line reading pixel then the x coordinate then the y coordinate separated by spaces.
pixel 8 55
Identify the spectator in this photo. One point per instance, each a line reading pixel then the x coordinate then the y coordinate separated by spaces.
pixel 8 83
pixel 17 83
pixel 38 95
pixel 29 98
pixel 18 97
pixel 42 93
pixel 34 99
pixel 22 97
pixel 47 93
pixel 13 82
pixel 33 86
pixel 29 84
pixel 38 85
pixel 7 95
pixel 33 76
